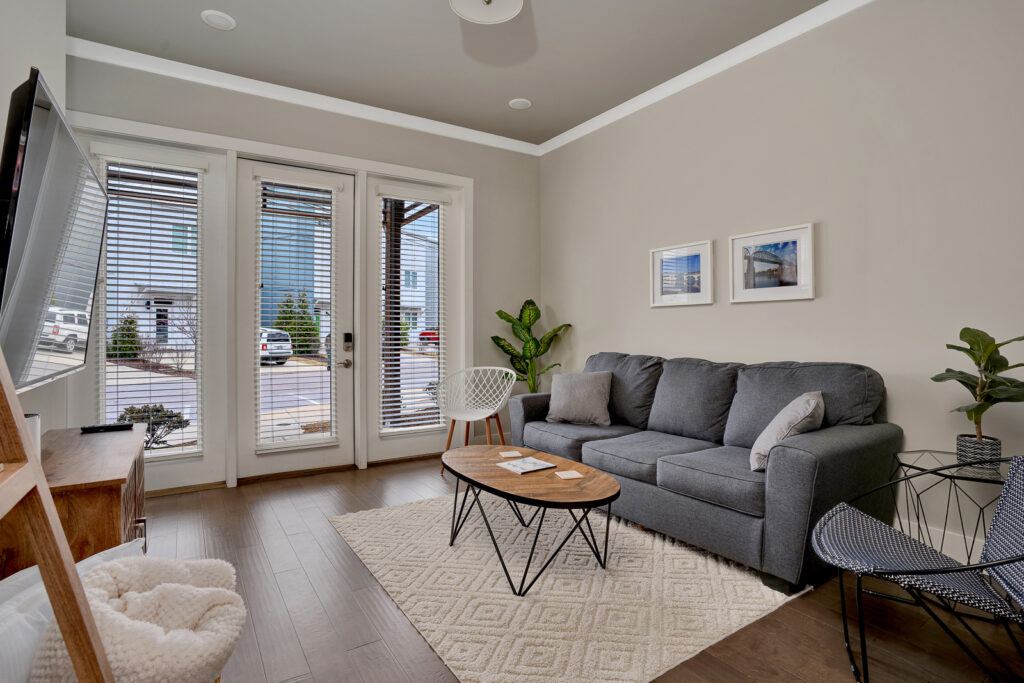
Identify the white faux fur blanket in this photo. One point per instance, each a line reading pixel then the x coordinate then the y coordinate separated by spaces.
pixel 159 620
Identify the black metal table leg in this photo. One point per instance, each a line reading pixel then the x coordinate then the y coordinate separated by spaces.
pixel 460 514
pixel 458 518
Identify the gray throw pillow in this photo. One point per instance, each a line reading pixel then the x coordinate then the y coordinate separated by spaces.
pixel 580 398
pixel 803 414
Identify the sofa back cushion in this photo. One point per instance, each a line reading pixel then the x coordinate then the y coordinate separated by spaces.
pixel 634 379
pixel 852 394
pixel 693 398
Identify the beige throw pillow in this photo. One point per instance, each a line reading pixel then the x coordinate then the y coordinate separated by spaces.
pixel 580 398
pixel 803 414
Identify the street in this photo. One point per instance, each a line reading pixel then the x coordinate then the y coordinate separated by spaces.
pixel 290 395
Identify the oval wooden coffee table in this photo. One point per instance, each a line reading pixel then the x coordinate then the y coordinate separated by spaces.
pixel 477 467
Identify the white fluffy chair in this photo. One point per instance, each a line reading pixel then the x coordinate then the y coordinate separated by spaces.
pixel 160 620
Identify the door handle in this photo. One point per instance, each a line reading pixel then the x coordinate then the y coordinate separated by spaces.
pixel 347 363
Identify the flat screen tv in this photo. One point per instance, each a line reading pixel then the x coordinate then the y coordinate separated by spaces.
pixel 52 215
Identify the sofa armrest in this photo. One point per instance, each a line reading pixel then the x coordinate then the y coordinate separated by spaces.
pixel 808 474
pixel 526 408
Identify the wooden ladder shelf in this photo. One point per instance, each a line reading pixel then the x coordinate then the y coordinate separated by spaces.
pixel 25 500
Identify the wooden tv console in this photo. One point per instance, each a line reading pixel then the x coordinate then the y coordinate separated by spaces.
pixel 98 486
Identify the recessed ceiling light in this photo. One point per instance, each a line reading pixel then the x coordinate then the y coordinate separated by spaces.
pixel 487 11
pixel 219 20
pixel 520 103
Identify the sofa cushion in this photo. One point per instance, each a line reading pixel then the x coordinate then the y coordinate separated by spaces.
pixel 580 398
pixel 720 476
pixel 566 440
pixel 636 455
pixel 852 395
pixel 634 379
pixel 693 398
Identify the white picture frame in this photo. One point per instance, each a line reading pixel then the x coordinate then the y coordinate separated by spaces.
pixel 683 275
pixel 784 271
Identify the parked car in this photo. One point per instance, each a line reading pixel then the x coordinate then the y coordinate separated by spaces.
pixel 430 337
pixel 64 329
pixel 275 346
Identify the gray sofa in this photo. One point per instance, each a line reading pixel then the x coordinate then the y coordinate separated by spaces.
pixel 679 446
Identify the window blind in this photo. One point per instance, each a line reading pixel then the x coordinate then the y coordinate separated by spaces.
pixel 152 300
pixel 294 381
pixel 412 315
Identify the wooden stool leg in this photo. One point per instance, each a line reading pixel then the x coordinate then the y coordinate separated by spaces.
pixel 467 433
pixel 448 443
pixel 501 432
pixel 487 428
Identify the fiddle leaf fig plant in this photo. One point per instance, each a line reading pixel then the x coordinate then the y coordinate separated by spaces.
pixel 524 361
pixel 988 386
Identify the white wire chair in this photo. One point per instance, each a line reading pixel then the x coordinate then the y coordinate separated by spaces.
pixel 475 394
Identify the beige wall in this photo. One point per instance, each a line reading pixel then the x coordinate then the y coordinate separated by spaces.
pixel 896 129
pixel 32 34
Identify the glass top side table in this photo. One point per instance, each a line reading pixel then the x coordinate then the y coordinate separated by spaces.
pixel 948 510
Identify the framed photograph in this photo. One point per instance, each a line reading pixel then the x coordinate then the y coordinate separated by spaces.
pixel 772 265
pixel 683 275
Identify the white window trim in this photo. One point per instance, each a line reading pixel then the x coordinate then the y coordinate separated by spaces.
pixel 461 187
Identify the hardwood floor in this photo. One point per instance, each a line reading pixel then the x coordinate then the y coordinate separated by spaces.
pixel 317 614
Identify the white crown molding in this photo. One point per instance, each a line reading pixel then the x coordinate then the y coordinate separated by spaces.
pixel 108 54
pixel 795 27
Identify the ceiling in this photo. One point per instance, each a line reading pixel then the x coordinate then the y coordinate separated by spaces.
pixel 574 58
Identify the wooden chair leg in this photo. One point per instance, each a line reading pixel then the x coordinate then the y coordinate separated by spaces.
pixel 448 443
pixel 501 432
pixel 467 433
pixel 487 429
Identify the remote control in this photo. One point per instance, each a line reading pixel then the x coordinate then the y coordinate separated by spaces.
pixel 113 427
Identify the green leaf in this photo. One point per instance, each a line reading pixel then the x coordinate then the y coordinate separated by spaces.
pixel 1009 341
pixel 529 313
pixel 519 365
pixel 520 378
pixel 550 336
pixel 530 348
pixel 521 333
pixel 531 378
pixel 965 379
pixel 1007 394
pixel 507 317
pixel 996 362
pixel 977 339
pixel 506 346
pixel 549 368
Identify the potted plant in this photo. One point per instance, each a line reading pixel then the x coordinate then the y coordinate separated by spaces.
pixel 525 362
pixel 988 387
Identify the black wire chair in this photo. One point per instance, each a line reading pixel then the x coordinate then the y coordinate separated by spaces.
pixel 856 542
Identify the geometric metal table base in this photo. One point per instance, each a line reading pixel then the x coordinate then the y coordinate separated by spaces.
pixel 580 516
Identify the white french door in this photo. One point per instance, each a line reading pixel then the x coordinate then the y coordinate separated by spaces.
pixel 295 260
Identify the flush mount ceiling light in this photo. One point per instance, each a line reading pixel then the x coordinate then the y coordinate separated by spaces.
pixel 218 20
pixel 486 11
pixel 520 103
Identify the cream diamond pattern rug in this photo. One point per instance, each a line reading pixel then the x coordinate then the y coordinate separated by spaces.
pixel 658 603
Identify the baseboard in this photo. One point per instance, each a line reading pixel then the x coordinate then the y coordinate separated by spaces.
pixel 192 488
pixel 292 474
pixel 405 458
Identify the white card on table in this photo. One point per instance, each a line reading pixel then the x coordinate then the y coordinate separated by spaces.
pixel 510 454
pixel 569 474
